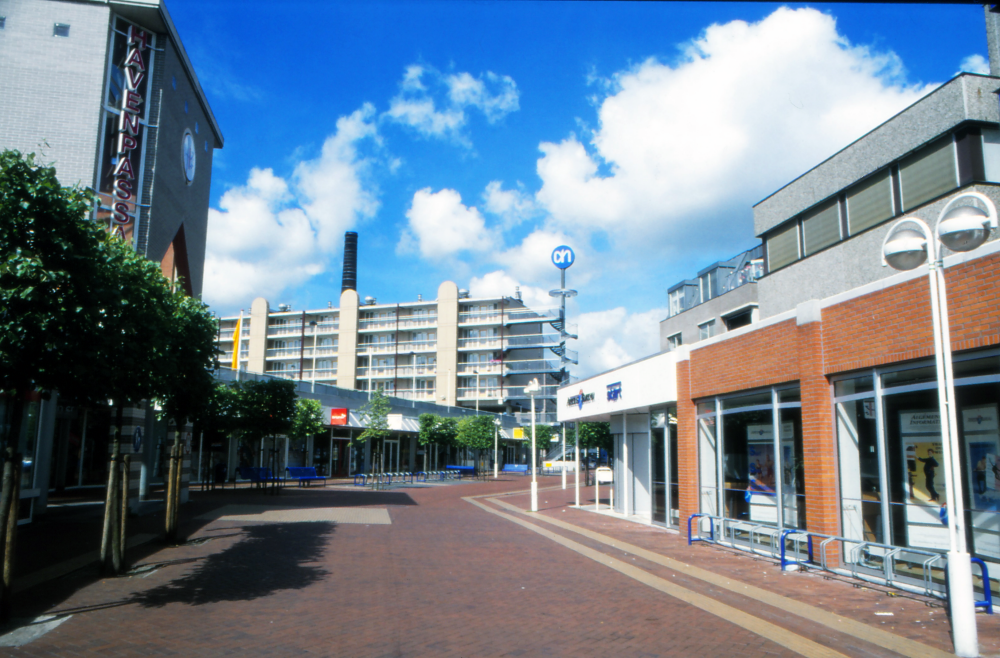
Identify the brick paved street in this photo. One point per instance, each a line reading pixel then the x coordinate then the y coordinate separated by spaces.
pixel 455 576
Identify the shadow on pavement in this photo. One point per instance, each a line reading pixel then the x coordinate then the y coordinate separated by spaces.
pixel 272 557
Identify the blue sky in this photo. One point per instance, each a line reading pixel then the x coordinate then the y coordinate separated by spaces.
pixel 464 140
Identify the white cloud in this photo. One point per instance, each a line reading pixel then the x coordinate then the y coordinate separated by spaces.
pixel 612 338
pixel 441 225
pixel 746 109
pixel 974 64
pixel 532 258
pixel 501 284
pixel 511 206
pixel 494 95
pixel 272 234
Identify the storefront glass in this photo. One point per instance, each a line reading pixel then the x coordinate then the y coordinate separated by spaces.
pixel 761 460
pixel 891 463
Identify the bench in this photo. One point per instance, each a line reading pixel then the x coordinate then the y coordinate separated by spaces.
pixel 258 475
pixel 304 474
pixel 515 468
pixel 462 470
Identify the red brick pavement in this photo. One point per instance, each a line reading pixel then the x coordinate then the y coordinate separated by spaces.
pixel 444 579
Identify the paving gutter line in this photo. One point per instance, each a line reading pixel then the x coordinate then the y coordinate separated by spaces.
pixel 757 626
pixel 858 629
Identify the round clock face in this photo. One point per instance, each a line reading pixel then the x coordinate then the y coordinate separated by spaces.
pixel 188 155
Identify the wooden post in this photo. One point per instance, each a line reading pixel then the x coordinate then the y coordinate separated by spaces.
pixel 178 477
pixel 126 482
pixel 5 497
pixel 171 535
pixel 10 541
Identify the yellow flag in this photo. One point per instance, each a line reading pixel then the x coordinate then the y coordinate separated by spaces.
pixel 236 342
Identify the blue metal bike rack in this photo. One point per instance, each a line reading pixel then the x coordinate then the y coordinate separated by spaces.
pixel 711 529
pixel 987 601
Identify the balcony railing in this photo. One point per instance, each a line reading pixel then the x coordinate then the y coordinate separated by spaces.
pixel 307 373
pixel 416 371
pixel 527 315
pixel 377 323
pixel 296 352
pixel 412 321
pixel 417 346
pixel 415 394
pixel 470 369
pixel 488 343
pixel 531 365
pixel 479 317
pixel 377 348
pixel 491 394
pixel 531 340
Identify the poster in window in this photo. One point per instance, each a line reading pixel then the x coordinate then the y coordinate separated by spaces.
pixel 924 479
pixel 981 434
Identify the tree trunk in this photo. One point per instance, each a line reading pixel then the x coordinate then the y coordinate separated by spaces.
pixel 6 493
pixel 177 484
pixel 170 499
pixel 10 540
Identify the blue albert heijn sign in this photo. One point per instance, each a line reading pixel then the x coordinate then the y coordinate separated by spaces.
pixel 563 257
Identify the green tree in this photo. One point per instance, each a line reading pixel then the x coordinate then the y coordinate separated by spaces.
pixel 436 430
pixel 476 433
pixel 266 409
pixel 595 436
pixel 374 415
pixel 307 421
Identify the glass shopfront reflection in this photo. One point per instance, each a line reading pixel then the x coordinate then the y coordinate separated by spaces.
pixel 891 463
pixel 663 435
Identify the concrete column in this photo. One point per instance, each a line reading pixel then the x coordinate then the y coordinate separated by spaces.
pixel 819 446
pixel 447 344
pixel 259 312
pixel 347 340
pixel 993 39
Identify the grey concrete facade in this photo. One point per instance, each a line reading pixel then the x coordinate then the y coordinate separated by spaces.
pixel 687 323
pixel 967 97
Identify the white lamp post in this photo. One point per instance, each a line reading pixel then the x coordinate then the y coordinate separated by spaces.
pixel 576 473
pixel 476 373
pixel 564 456
pixel 315 328
pixel 959 228
pixel 496 446
pixel 532 389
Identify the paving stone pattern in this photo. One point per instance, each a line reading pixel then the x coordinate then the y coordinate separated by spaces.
pixel 445 578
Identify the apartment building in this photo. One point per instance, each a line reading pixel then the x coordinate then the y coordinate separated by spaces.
pixel 455 350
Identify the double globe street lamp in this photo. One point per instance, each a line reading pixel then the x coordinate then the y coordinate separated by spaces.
pixel 532 389
pixel 909 244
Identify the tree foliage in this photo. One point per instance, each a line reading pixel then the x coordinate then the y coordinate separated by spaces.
pixel 375 417
pixel 266 408
pixel 190 357
pixel 436 429
pixel 307 421
pixel 476 432
pixel 596 435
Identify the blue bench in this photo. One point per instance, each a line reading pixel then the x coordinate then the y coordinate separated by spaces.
pixel 304 474
pixel 462 470
pixel 258 475
pixel 515 468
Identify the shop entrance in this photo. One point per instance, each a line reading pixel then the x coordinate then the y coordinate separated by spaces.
pixel 391 456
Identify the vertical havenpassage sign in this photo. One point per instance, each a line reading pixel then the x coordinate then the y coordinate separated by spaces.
pixel 128 131
pixel 125 119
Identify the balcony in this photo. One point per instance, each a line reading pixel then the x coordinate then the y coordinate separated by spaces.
pixel 377 348
pixel 516 392
pixel 470 369
pixel 528 366
pixel 488 343
pixel 424 394
pixel 417 321
pixel 530 315
pixel 296 352
pixel 479 317
pixel 417 346
pixel 491 395
pixel 377 372
pixel 416 371
pixel 384 324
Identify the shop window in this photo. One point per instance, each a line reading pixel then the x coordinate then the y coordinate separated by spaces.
pixel 783 247
pixel 860 483
pixel 60 30
pixel 870 203
pixel 821 227
pixel 706 330
pixel 928 174
pixel 707 463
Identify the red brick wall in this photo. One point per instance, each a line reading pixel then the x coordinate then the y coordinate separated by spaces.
pixel 894 325
pixel 687 446
pixel 760 358
pixel 819 446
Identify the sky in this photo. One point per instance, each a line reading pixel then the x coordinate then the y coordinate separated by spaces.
pixel 464 141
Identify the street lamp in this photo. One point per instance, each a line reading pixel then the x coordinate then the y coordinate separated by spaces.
pixel 476 373
pixel 312 323
pixel 496 446
pixel 908 245
pixel 532 390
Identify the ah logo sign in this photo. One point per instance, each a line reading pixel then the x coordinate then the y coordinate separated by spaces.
pixel 563 257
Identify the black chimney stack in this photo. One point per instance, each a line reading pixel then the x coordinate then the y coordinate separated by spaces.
pixel 350 280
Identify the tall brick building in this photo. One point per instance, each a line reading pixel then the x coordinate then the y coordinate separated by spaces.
pixel 104 92
pixel 822 413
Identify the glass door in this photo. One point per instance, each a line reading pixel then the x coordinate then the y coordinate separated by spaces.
pixel 391 456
